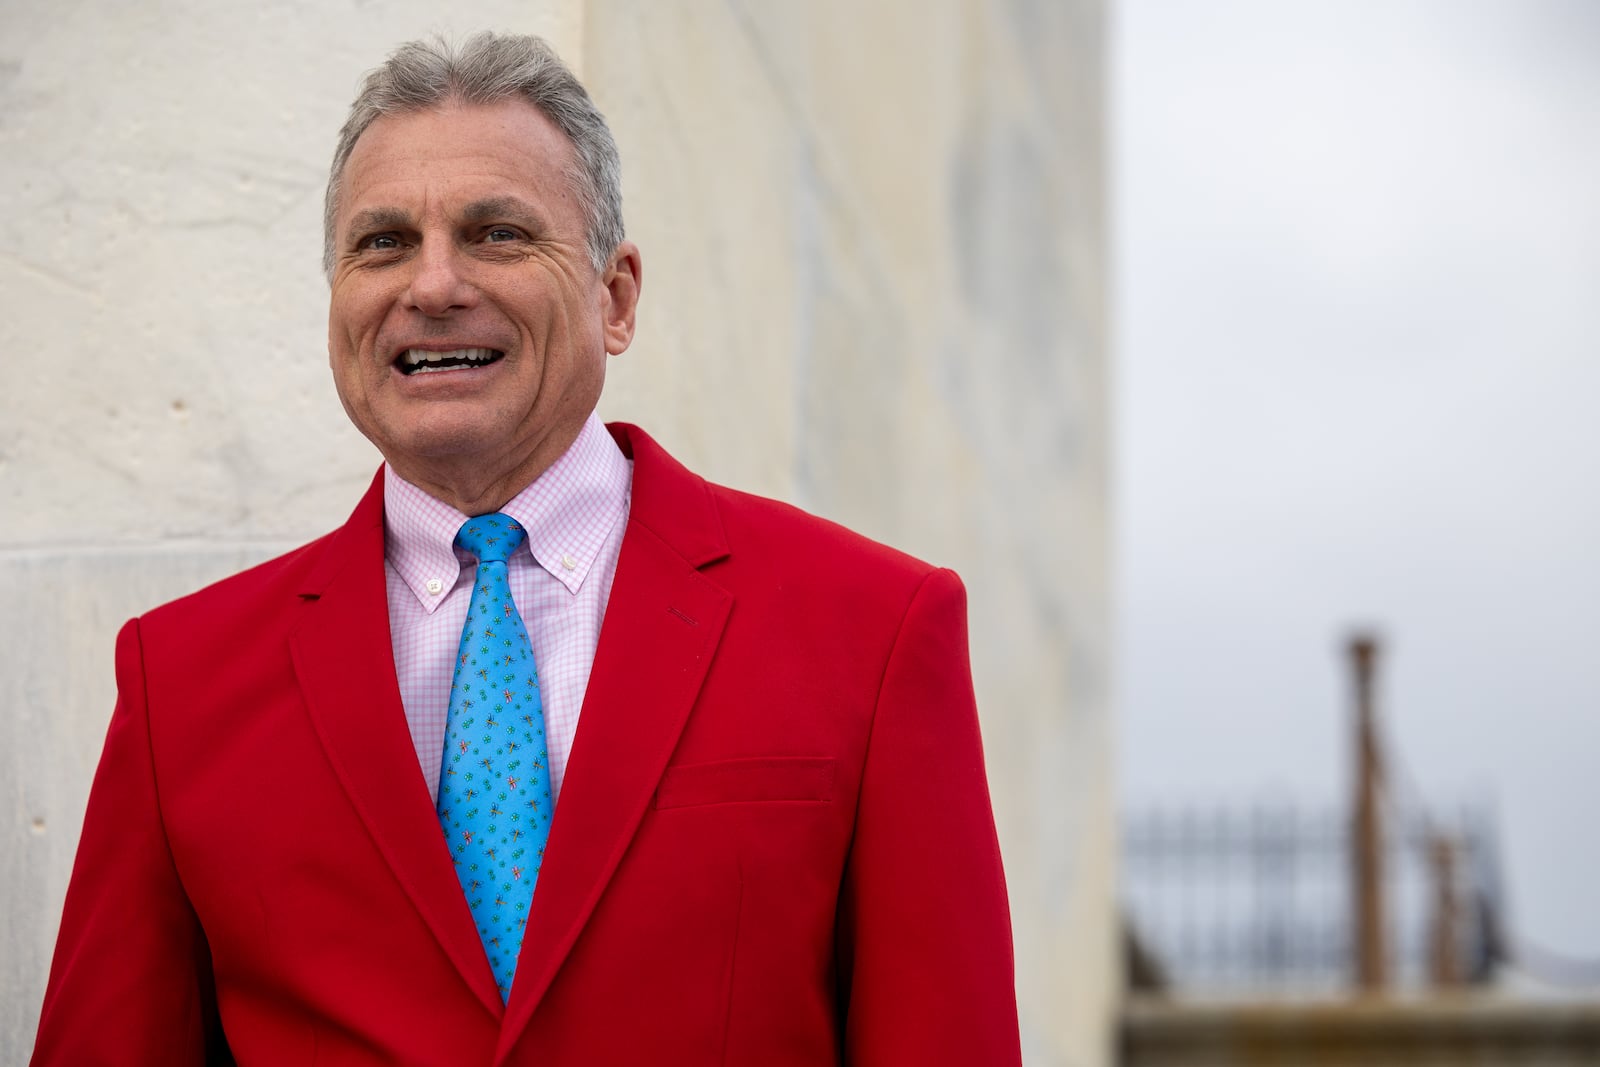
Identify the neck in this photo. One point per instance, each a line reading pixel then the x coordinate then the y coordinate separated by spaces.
pixel 470 497
pixel 474 484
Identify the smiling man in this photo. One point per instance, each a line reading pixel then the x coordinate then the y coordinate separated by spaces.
pixel 554 753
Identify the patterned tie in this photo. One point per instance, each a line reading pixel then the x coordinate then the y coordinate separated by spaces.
pixel 494 791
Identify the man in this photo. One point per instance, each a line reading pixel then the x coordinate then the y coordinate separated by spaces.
pixel 321 829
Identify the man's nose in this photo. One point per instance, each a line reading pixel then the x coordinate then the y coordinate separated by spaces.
pixel 439 281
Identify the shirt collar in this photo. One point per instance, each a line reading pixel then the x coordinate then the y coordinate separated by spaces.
pixel 568 512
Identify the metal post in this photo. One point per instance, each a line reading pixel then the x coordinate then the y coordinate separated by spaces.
pixel 1444 947
pixel 1367 837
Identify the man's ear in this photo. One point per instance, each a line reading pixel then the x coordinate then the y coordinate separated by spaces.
pixel 621 281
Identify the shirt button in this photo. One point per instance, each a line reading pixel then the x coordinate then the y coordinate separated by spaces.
pixel 435 586
pixel 568 562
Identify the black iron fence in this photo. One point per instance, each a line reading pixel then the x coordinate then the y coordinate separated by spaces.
pixel 1261 899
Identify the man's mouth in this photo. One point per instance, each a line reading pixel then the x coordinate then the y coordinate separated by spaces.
pixel 423 361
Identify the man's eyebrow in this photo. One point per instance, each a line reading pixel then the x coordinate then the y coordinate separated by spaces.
pixel 369 220
pixel 503 208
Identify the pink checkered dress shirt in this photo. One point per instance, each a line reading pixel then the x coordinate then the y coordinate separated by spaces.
pixel 575 514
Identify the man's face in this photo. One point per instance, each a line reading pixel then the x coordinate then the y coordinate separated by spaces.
pixel 468 328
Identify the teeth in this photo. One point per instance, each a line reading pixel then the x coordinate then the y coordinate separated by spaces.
pixel 417 358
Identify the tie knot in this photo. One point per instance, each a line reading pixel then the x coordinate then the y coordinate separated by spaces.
pixel 492 538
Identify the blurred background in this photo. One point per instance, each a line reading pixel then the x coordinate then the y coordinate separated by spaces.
pixel 1240 355
pixel 1357 263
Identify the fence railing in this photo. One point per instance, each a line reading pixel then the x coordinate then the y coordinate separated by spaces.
pixel 1261 899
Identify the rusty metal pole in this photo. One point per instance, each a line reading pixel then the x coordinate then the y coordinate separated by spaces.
pixel 1444 947
pixel 1371 973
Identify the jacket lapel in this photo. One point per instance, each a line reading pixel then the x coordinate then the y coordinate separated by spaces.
pixel 662 626
pixel 344 660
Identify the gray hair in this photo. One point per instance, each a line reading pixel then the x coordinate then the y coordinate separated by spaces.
pixel 487 69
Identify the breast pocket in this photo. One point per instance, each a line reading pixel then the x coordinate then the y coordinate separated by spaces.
pixel 765 779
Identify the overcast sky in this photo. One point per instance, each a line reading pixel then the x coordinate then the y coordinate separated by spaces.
pixel 1358 378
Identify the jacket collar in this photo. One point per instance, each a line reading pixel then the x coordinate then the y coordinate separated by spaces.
pixel 671 501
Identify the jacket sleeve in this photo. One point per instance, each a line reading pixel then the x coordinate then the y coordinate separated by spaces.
pixel 926 971
pixel 131 981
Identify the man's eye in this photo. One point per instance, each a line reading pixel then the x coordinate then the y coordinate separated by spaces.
pixel 501 233
pixel 383 242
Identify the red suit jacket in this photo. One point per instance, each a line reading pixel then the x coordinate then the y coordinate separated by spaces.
pixel 773 847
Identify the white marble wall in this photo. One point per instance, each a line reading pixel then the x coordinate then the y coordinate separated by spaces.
pixel 874 268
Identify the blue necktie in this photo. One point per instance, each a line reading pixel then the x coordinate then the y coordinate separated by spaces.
pixel 494 791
